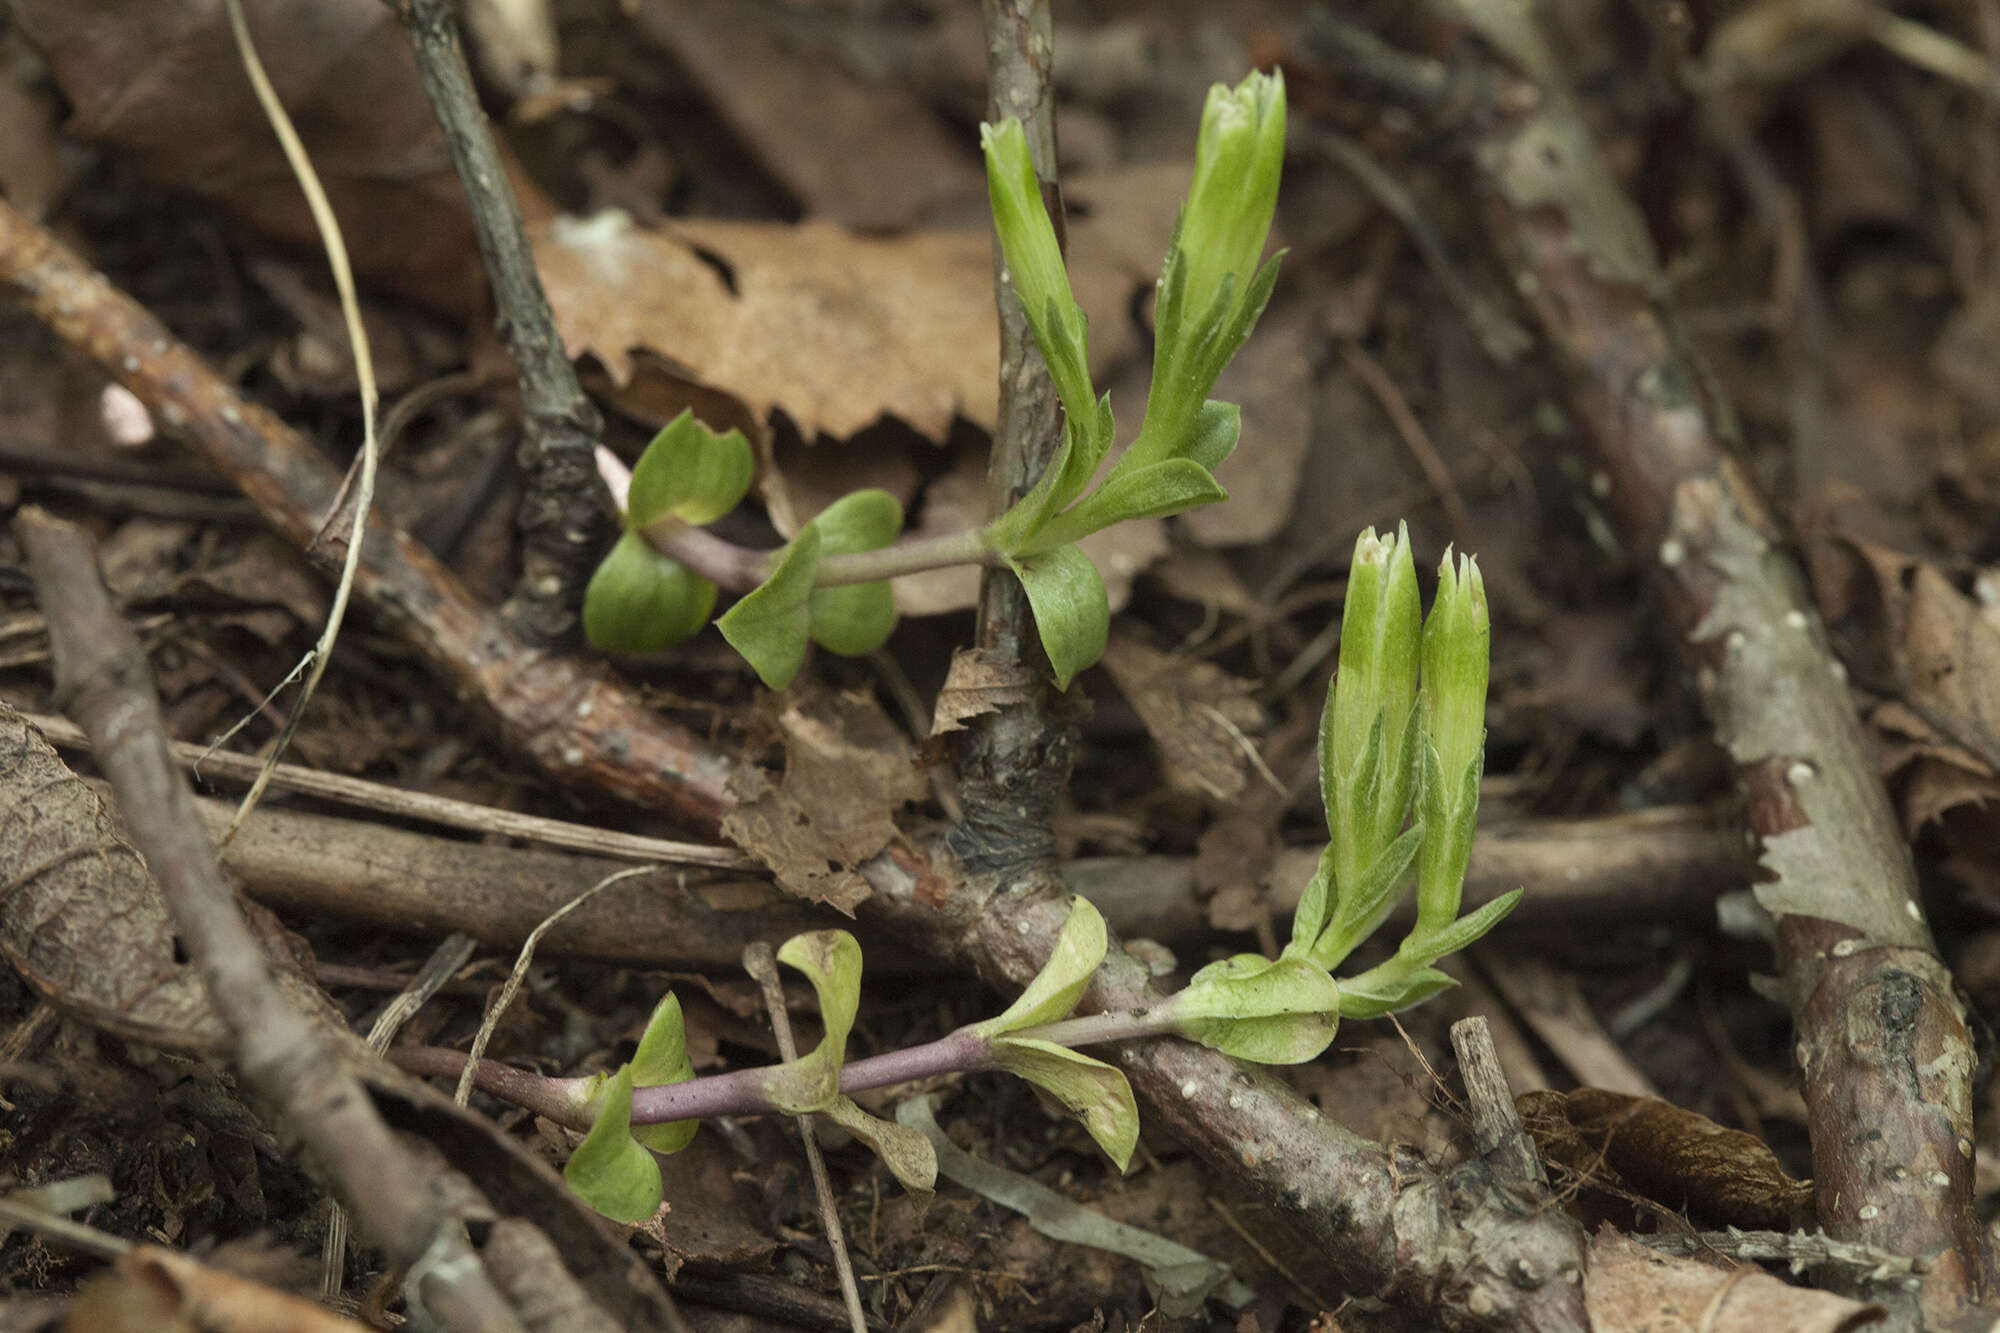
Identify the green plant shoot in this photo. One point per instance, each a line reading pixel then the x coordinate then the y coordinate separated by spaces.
pixel 1402 739
pixel 829 585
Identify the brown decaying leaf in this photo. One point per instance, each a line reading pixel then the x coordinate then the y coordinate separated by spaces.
pixel 835 329
pixel 869 155
pixel 83 923
pixel 1630 1289
pixel 1197 714
pixel 1679 1159
pixel 978 683
pixel 847 771
pixel 1910 633
pixel 344 71
pixel 151 1290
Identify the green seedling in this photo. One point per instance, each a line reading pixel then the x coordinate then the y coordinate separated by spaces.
pixel 829 585
pixel 1401 743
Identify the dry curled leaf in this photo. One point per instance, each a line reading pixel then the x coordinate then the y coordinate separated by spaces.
pixel 1678 1159
pixel 847 771
pixel 1196 713
pixel 1629 1289
pixel 979 682
pixel 83 922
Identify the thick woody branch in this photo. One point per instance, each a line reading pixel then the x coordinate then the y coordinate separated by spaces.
pixel 283 1058
pixel 563 513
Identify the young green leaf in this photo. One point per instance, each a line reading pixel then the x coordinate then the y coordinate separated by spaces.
pixel 770 623
pixel 1034 260
pixel 1091 1090
pixel 610 1169
pixel 1164 488
pixel 1056 988
pixel 1256 1009
pixel 1464 931
pixel 662 1058
pixel 1217 427
pixel 691 473
pixel 1455 655
pixel 1368 900
pixel 831 961
pixel 1374 689
pixel 858 618
pixel 1072 611
pixel 1371 996
pixel 906 1152
pixel 1314 909
pixel 640 601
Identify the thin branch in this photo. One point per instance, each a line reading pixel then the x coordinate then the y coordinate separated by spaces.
pixel 583 727
pixel 284 1060
pixel 563 515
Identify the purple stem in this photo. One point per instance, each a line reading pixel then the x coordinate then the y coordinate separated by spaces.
pixel 739 1092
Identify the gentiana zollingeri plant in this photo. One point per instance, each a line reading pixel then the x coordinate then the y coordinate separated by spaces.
pixel 1401 742
pixel 829 584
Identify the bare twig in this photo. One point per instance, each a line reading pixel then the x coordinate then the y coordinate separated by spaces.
pixel 581 725
pixel 762 965
pixel 1496 1125
pixel 563 514
pixel 283 1059
pixel 522 961
pixel 1883 1042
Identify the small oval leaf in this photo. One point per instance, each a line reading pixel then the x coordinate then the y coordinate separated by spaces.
pixel 610 1169
pixel 690 472
pixel 769 624
pixel 1072 611
pixel 640 601
pixel 1078 951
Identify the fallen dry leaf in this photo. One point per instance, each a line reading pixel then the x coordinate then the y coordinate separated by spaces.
pixel 866 154
pixel 848 769
pixel 1197 714
pixel 1682 1161
pixel 835 330
pixel 1909 633
pixel 1630 1289
pixel 343 69
pixel 84 925
pixel 978 683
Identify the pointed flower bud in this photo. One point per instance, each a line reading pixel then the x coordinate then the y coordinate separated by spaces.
pixel 1035 261
pixel 1455 656
pixel 1367 731
pixel 1237 160
pixel 1212 287
pixel 1456 637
